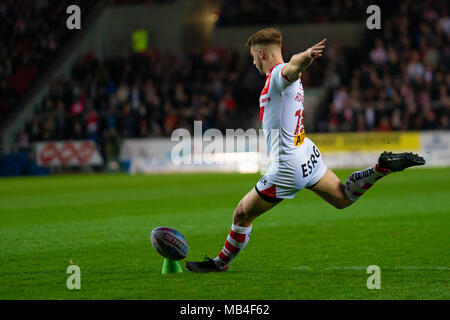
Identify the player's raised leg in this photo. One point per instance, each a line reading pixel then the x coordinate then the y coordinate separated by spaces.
pixel 331 189
pixel 249 208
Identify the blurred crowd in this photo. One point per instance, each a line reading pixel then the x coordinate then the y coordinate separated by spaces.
pixel 252 12
pixel 149 95
pixel 144 2
pixel 31 33
pixel 399 80
pixel 144 95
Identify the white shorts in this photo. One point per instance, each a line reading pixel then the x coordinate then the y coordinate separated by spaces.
pixel 285 180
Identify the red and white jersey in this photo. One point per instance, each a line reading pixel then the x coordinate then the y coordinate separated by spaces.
pixel 281 113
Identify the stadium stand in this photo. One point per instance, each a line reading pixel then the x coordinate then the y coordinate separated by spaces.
pixel 147 95
pixel 144 95
pixel 395 85
pixel 30 38
pixel 260 12
pixel 382 85
pixel 143 2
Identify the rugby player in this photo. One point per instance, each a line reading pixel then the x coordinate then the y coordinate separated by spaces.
pixel 296 162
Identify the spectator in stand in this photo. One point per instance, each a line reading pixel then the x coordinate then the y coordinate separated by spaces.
pixel 403 83
pixel 251 12
pixel 144 95
pixel 31 36
pixel 91 124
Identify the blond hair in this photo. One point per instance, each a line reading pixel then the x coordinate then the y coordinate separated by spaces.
pixel 265 36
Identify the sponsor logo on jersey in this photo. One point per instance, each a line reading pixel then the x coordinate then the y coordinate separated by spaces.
pixel 263 180
pixel 308 166
pixel 300 96
pixel 264 100
pixel 299 138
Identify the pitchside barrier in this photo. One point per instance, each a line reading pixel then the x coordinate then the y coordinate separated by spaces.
pixel 81 153
pixel 339 150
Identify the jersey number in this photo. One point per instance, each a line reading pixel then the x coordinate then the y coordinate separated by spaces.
pixel 299 114
pixel 299 137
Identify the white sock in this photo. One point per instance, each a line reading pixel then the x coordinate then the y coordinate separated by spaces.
pixel 360 181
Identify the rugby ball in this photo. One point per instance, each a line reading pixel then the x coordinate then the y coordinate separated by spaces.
pixel 169 243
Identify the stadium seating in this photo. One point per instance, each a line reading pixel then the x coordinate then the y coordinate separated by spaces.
pixel 383 85
pixel 395 85
pixel 261 12
pixel 143 2
pixel 31 37
pixel 143 95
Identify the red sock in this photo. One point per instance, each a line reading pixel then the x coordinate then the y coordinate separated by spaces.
pixel 236 241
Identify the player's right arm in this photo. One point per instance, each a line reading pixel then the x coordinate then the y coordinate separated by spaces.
pixel 301 61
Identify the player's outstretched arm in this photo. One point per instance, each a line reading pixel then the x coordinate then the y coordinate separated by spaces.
pixel 301 61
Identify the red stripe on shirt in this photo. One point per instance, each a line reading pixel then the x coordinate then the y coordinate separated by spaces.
pixel 261 113
pixel 265 90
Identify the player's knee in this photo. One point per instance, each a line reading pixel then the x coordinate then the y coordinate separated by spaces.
pixel 241 213
pixel 341 201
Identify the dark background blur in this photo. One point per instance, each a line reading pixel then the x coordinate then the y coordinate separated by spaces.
pixel 124 75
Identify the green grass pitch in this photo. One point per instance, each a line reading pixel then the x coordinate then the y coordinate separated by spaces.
pixel 302 249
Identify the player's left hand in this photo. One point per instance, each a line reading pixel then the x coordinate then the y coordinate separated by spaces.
pixel 316 50
pixel 301 61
